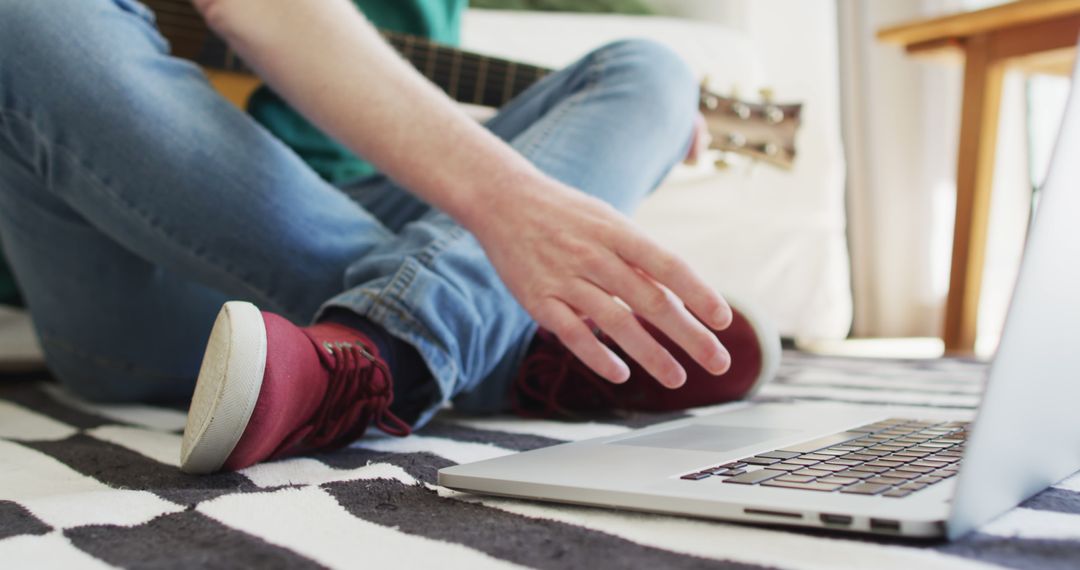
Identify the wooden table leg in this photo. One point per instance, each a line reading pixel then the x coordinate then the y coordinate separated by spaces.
pixel 983 75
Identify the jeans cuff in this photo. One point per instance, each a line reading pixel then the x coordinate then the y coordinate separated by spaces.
pixel 384 302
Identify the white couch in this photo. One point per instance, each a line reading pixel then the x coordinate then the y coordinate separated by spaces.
pixel 772 238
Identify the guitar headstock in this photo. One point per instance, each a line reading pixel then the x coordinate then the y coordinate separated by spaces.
pixel 763 131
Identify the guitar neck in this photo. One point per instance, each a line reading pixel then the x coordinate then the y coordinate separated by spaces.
pixel 762 131
pixel 467 77
pixel 190 39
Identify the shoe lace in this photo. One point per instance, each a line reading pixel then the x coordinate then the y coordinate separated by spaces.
pixel 358 394
pixel 543 376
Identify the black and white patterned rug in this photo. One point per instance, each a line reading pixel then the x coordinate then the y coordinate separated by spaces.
pixel 93 486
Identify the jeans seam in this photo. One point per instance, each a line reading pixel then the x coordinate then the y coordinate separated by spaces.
pixel 431 252
pixel 389 307
pixel 395 288
pixel 152 223
pixel 386 301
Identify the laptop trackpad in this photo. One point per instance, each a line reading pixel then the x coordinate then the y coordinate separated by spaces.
pixel 706 438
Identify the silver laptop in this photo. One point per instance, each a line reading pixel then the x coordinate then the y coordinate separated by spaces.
pixel 855 468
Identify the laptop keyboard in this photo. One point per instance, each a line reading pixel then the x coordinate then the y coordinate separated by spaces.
pixel 892 458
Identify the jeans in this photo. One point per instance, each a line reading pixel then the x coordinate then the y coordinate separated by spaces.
pixel 134 201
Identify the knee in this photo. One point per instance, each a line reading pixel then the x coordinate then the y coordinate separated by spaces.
pixel 650 62
pixel 659 80
pixel 68 40
pixel 28 30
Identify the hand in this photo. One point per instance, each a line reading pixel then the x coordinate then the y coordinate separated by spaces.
pixel 567 256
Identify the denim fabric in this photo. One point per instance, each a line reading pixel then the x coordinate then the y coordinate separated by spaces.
pixel 134 201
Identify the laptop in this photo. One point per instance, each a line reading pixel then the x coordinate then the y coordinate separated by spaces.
pixel 854 468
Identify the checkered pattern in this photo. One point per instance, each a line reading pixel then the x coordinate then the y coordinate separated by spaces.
pixel 91 486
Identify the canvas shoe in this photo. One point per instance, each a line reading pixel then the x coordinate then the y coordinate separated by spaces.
pixel 553 382
pixel 269 389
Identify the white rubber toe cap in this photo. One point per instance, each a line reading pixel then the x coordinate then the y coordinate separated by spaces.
pixel 227 389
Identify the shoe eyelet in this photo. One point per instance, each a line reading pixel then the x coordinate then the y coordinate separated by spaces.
pixel 365 352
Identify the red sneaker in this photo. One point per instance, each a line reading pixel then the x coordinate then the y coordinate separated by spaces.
pixel 270 389
pixel 553 382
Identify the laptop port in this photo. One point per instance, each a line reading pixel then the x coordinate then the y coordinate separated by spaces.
pixel 884 525
pixel 764 512
pixel 838 520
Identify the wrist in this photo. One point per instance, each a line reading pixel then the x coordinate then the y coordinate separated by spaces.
pixel 482 201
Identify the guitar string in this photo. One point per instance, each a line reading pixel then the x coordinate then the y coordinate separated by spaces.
pixel 171 27
pixel 181 21
pixel 469 82
pixel 492 78
pixel 191 20
pixel 495 96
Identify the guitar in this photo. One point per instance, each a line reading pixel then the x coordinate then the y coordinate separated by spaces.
pixel 763 131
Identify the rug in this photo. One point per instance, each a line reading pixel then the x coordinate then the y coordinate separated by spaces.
pixel 91 486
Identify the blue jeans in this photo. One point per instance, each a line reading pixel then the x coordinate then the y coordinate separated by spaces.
pixel 134 201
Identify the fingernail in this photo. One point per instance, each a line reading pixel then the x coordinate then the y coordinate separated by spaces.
pixel 720 363
pixel 722 319
pixel 677 380
pixel 622 374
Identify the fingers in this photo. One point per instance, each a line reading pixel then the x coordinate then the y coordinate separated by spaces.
pixel 621 325
pixel 575 335
pixel 665 311
pixel 674 273
pixel 565 263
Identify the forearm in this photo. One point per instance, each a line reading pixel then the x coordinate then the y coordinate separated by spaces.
pixel 327 61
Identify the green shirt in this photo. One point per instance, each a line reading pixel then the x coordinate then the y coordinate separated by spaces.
pixel 439 20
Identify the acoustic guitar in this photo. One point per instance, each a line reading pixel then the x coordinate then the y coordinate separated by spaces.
pixel 764 131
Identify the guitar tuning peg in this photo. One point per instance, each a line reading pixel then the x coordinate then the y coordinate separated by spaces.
pixel 706 81
pixel 774 114
pixel 710 101
pixel 741 110
pixel 734 91
pixel 721 164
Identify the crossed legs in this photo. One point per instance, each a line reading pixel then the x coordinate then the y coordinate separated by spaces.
pixel 134 201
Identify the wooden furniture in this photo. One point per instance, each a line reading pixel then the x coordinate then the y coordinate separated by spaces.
pixel 1036 35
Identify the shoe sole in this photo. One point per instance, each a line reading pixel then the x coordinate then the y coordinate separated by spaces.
pixel 230 379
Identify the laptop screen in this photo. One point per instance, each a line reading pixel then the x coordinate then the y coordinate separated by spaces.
pixel 1027 432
